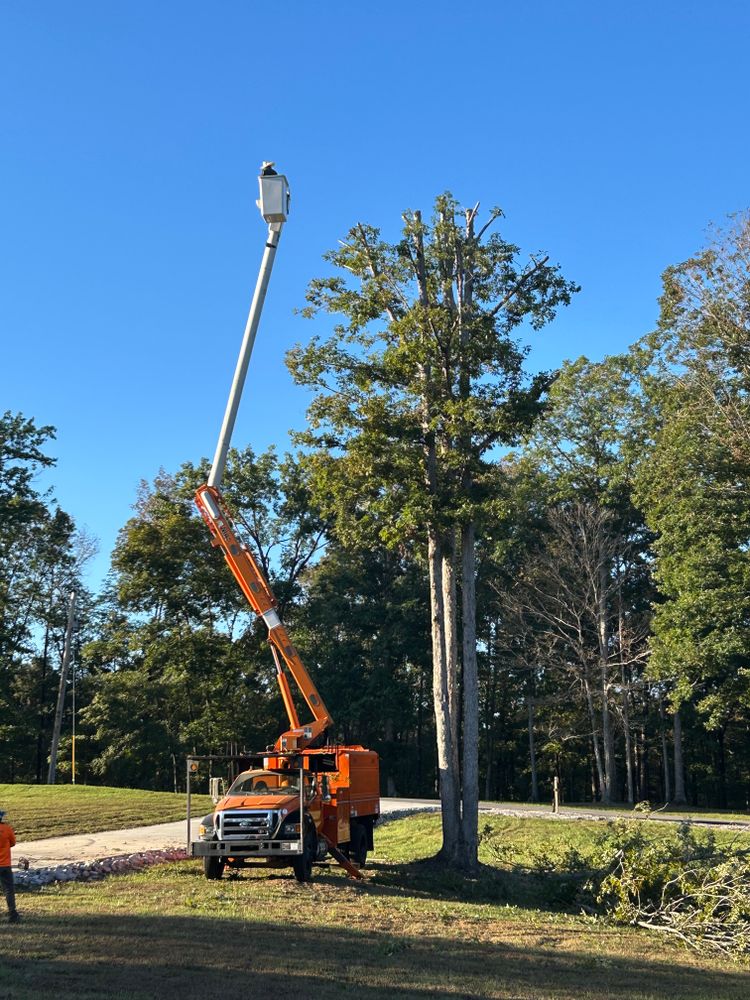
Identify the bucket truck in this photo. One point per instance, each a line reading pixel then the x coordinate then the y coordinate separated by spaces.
pixel 303 798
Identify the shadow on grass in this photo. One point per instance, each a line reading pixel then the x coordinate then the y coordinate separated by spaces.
pixel 137 957
pixel 428 878
pixel 425 879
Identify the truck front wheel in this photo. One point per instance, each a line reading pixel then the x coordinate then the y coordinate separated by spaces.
pixel 213 868
pixel 303 865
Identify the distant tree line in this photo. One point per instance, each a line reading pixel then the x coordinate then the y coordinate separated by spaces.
pixel 494 578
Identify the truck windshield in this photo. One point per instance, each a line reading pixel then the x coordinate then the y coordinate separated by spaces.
pixel 267 783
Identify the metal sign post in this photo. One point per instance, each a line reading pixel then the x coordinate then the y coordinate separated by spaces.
pixel 302 808
pixel 189 763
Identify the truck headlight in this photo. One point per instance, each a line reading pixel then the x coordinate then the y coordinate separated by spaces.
pixel 290 830
pixel 206 828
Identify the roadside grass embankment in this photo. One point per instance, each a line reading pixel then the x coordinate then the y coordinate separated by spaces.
pixel 656 811
pixel 39 811
pixel 697 814
pixel 409 930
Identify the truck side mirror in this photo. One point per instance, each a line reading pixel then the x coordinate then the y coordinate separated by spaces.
pixel 214 789
pixel 326 791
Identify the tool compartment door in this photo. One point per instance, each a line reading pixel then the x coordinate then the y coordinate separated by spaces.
pixel 364 783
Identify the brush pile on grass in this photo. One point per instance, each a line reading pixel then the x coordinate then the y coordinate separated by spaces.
pixel 671 881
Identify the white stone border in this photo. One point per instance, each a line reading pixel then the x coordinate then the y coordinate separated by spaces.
pixel 91 871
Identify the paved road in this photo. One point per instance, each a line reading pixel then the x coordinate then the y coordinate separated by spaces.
pixel 89 846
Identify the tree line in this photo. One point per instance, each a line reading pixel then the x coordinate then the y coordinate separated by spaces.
pixel 495 576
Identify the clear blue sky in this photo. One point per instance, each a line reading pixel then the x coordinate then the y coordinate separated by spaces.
pixel 130 138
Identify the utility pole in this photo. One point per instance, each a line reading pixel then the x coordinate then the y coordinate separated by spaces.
pixel 61 692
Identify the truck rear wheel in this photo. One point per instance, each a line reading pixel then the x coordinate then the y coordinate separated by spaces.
pixel 358 845
pixel 213 868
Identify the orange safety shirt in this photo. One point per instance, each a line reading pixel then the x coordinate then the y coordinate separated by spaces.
pixel 7 840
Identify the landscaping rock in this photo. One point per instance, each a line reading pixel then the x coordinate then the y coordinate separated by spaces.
pixel 29 877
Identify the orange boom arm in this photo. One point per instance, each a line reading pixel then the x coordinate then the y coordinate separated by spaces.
pixel 260 598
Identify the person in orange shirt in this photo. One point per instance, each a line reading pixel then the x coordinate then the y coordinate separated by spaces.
pixel 7 840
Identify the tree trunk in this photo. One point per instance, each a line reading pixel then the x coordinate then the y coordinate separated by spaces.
pixel 610 775
pixel 441 703
pixel 594 785
pixel 664 753
pixel 628 738
pixel 470 762
pixel 532 752
pixel 680 797
pixel 643 758
pixel 594 737
pixel 489 709
pixel 388 739
pixel 41 730
pixel 721 767
pixel 450 630
pixel 624 677
pixel 419 732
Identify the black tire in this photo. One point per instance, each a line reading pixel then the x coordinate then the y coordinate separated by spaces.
pixel 303 866
pixel 213 868
pixel 358 845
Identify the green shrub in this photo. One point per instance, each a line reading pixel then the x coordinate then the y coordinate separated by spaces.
pixel 671 880
pixel 680 884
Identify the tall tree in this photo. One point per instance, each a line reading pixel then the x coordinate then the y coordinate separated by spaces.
pixel 418 385
pixel 23 516
pixel 695 483
pixel 38 565
pixel 585 448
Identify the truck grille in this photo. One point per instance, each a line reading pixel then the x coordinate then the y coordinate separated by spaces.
pixel 246 824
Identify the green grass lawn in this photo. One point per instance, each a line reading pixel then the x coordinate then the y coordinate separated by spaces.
pixel 407 931
pixel 39 811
